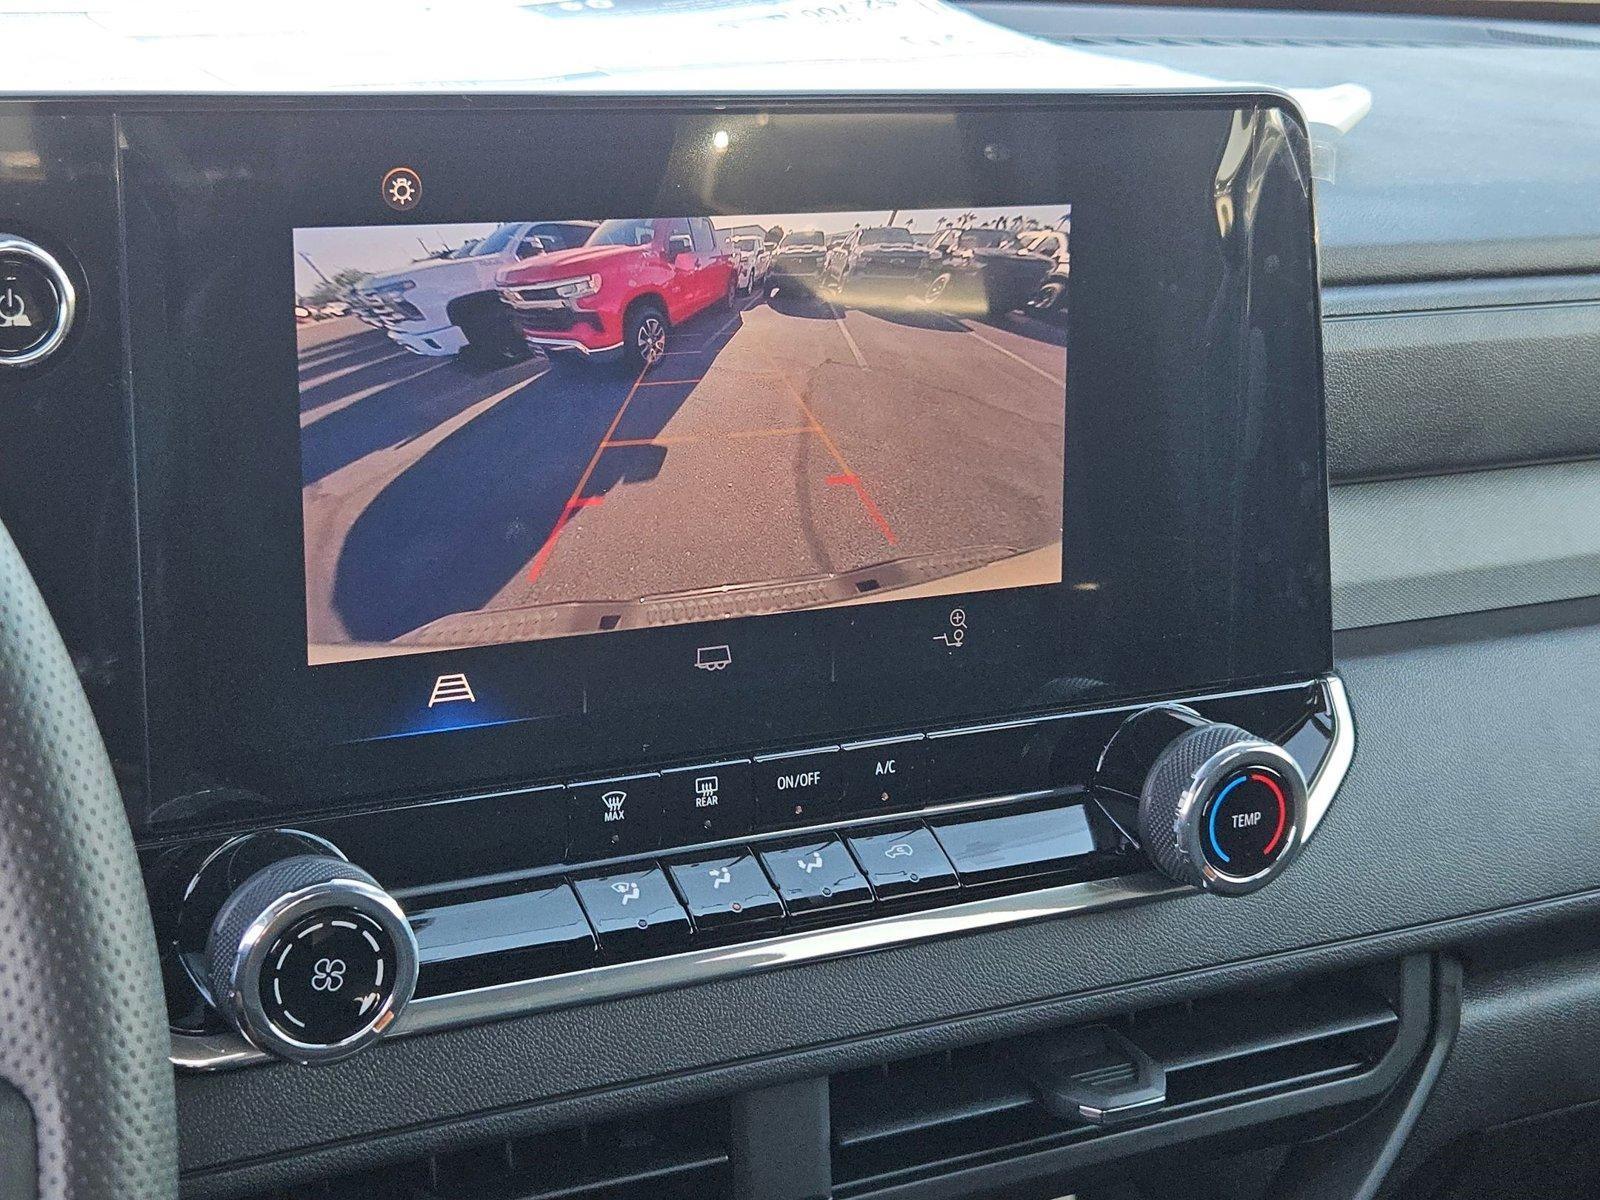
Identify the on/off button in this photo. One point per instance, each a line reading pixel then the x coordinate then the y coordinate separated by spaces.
pixel 798 788
pixel 37 301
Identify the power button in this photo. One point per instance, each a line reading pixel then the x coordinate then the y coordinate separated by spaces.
pixel 37 302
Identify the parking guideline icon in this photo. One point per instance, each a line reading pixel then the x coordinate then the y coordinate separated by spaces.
pixel 451 689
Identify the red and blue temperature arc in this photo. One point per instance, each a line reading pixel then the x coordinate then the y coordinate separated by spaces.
pixel 1283 812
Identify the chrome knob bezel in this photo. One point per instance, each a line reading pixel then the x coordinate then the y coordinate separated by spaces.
pixel 238 996
pixel 66 297
pixel 1187 823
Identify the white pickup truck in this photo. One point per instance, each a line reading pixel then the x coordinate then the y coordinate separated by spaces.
pixel 445 306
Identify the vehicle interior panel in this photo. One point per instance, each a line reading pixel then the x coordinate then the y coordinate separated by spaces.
pixel 638 638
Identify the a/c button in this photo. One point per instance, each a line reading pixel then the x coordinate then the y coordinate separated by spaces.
pixel 884 774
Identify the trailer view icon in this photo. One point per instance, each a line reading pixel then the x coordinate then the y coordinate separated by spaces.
pixel 713 658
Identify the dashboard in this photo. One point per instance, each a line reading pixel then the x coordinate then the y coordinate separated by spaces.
pixel 807 614
pixel 517 614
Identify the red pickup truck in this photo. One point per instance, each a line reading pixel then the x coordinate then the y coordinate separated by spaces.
pixel 619 295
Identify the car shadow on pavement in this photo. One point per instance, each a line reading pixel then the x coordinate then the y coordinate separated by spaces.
pixel 801 300
pixel 954 321
pixel 357 349
pixel 920 317
pixel 453 529
pixel 390 416
pixel 1025 324
pixel 359 378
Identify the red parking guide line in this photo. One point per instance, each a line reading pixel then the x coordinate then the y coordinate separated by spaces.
pixel 571 510
pixel 578 500
pixel 854 481
pixel 847 476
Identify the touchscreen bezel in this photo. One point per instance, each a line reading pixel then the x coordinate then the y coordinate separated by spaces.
pixel 1196 545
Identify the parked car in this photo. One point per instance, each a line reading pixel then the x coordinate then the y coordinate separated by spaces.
pixel 619 295
pixel 798 256
pixel 751 259
pixel 873 257
pixel 303 315
pixel 1051 298
pixel 982 270
pixel 448 305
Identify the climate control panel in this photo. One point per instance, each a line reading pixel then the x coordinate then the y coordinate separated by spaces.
pixel 309 943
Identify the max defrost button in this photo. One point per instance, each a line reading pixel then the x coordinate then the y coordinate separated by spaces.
pixel 798 788
pixel 608 817
pixel 36 303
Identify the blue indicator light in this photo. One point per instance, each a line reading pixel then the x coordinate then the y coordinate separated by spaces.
pixel 443 723
pixel 1216 807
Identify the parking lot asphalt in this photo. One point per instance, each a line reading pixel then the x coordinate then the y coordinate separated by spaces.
pixel 793 439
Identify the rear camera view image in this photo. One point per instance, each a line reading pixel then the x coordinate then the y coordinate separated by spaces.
pixel 541 429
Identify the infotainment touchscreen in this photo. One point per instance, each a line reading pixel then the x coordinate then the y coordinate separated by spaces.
pixel 520 441
pixel 546 427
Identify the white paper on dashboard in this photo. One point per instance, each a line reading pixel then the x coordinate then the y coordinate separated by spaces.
pixel 566 45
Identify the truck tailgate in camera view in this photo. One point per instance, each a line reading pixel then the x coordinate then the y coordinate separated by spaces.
pixel 647 421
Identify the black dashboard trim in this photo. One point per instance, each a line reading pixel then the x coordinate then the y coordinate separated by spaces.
pixel 1393 869
pixel 1430 379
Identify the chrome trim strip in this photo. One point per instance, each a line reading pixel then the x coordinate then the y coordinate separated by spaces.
pixel 1329 775
pixel 569 344
pixel 430 1014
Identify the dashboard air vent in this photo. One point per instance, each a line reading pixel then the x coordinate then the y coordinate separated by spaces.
pixel 676 1155
pixel 1233 1057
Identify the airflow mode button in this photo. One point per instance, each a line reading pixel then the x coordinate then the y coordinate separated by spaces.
pixel 37 302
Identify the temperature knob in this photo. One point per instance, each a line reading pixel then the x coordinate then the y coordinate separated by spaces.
pixel 1218 807
pixel 310 959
